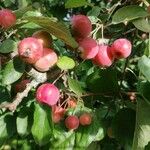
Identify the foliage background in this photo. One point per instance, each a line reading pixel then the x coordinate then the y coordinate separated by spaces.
pixel 108 93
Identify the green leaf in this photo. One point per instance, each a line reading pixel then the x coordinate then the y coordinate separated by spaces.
pixel 42 125
pixel 20 12
pixel 103 81
pixel 4 94
pixel 13 71
pixel 75 3
pixel 128 13
pixel 56 28
pixel 65 63
pixel 142 130
pixel 63 140
pixel 142 24
pixel 143 88
pixel 144 66
pixel 95 11
pixel 23 123
pixel 7 127
pixel 8 46
pixel 85 135
pixel 75 86
pixel 123 126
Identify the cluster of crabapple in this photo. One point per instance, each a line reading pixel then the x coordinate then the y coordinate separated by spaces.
pixel 101 54
pixel 49 94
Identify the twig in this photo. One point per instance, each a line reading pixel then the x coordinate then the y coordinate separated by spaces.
pixel 37 79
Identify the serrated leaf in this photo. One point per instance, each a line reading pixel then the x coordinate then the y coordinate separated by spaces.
pixel 42 125
pixel 144 66
pixel 65 63
pixel 56 28
pixel 8 46
pixel 75 3
pixel 142 24
pixel 142 129
pixel 13 71
pixel 75 86
pixel 128 13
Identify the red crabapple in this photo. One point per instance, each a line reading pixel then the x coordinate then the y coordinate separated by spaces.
pixel 104 57
pixel 121 48
pixel 48 93
pixel 85 119
pixel 7 18
pixel 30 50
pixel 89 48
pixel 72 103
pixel 72 122
pixel 57 113
pixel 43 37
pixel 48 60
pixel 81 26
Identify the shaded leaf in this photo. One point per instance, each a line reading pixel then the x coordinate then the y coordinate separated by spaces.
pixel 13 71
pixel 23 123
pixel 75 86
pixel 102 81
pixel 142 129
pixel 8 46
pixel 142 24
pixel 128 13
pixel 42 125
pixel 144 66
pixel 4 94
pixel 85 135
pixel 123 126
pixel 7 127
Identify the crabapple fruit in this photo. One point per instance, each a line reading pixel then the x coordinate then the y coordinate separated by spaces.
pixel 30 50
pixel 48 93
pixel 89 48
pixel 85 119
pixel 43 37
pixel 104 57
pixel 72 122
pixel 72 103
pixel 81 26
pixel 7 18
pixel 20 87
pixel 57 113
pixel 121 48
pixel 48 60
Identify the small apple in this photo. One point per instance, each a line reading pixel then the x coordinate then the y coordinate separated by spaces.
pixel 7 18
pixel 30 50
pixel 47 93
pixel 48 60
pixel 121 48
pixel 72 122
